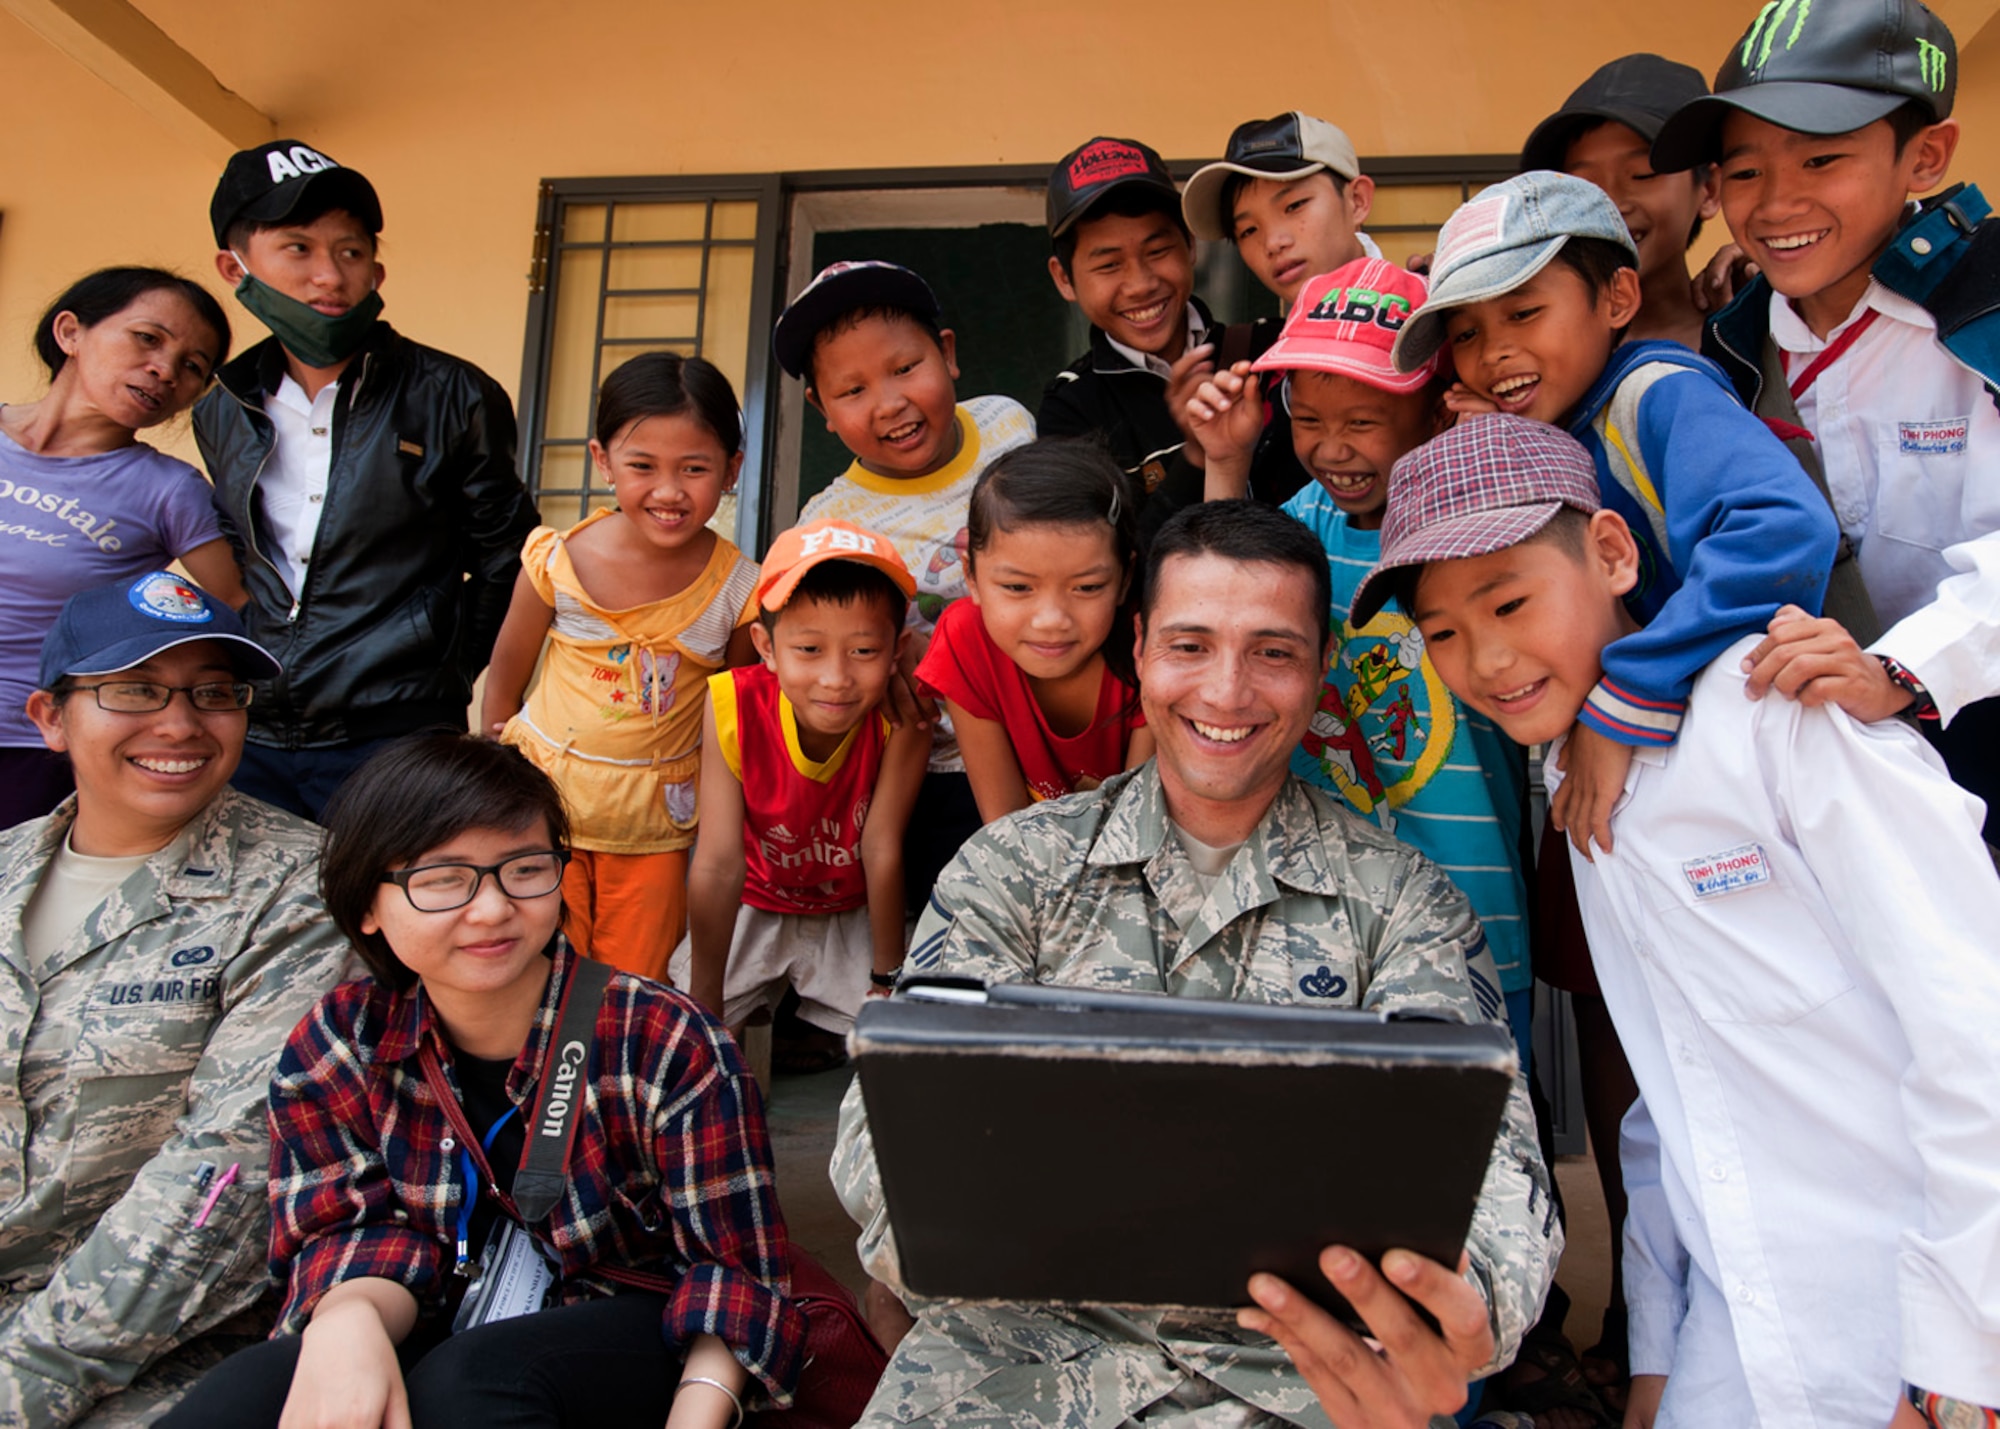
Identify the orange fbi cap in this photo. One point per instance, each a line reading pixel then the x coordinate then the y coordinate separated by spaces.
pixel 800 549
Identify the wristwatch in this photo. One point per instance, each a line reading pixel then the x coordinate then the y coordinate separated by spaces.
pixel 1922 706
pixel 883 979
pixel 1948 1413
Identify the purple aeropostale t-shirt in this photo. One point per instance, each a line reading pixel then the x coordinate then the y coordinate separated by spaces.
pixel 68 523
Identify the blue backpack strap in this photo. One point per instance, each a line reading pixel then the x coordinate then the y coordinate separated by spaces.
pixel 1948 260
pixel 1966 304
pixel 1932 243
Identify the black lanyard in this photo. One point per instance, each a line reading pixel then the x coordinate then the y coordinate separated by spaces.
pixel 544 1171
pixel 543 1174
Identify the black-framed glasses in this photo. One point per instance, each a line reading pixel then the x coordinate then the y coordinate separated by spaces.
pixel 441 887
pixel 148 696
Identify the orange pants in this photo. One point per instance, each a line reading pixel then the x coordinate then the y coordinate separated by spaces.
pixel 627 909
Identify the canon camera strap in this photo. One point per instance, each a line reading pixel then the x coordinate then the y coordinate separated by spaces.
pixel 544 1171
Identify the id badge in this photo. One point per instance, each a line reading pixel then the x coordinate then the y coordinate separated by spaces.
pixel 516 1276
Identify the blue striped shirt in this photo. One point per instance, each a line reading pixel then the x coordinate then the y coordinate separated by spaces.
pixel 1391 740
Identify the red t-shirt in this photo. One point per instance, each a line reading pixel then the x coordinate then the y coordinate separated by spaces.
pixel 801 821
pixel 967 668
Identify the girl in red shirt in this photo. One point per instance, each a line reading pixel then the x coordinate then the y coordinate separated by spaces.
pixel 1036 668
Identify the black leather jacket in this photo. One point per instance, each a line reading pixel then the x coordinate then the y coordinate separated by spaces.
pixel 417 549
pixel 1103 394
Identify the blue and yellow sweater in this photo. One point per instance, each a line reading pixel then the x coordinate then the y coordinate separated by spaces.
pixel 1728 524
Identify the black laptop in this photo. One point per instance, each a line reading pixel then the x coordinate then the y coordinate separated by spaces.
pixel 1040 1143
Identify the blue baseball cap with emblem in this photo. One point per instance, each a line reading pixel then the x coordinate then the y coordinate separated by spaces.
pixel 115 627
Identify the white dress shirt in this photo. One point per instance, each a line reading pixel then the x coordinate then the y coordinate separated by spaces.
pixel 292 489
pixel 1910 440
pixel 1794 935
pixel 1197 334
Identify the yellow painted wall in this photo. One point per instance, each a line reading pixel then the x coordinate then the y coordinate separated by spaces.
pixel 456 110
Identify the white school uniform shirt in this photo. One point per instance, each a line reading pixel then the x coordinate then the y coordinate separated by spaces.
pixel 1197 334
pixel 1910 441
pixel 293 486
pixel 1794 935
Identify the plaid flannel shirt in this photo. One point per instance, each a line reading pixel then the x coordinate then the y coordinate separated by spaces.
pixel 670 1172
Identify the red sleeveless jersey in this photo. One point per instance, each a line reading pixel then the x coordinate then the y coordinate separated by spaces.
pixel 801 820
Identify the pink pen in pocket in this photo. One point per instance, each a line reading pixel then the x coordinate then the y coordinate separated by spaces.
pixel 222 1183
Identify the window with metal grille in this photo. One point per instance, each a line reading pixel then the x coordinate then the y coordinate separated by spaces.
pixel 627 266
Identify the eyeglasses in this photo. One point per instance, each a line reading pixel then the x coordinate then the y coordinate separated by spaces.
pixel 441 887
pixel 146 696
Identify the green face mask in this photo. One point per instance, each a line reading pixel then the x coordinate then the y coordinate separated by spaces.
pixel 305 332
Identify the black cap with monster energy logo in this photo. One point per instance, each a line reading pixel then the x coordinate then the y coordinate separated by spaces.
pixel 1820 67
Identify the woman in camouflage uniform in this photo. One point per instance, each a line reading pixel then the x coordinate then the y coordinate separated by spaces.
pixel 159 936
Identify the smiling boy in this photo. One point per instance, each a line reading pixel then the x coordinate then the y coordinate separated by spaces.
pixel 1123 255
pixel 869 341
pixel 1533 285
pixel 1289 193
pixel 1872 327
pixel 806 790
pixel 366 482
pixel 1812 1165
pixel 1604 132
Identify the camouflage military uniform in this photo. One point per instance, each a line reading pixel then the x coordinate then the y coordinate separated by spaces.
pixel 140 1059
pixel 1317 909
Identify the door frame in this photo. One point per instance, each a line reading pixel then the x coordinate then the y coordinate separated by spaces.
pixel 766 190
pixel 826 208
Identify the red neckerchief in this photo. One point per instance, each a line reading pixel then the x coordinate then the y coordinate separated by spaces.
pixel 1832 353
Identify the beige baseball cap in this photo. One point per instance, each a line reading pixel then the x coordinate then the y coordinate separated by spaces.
pixel 1288 147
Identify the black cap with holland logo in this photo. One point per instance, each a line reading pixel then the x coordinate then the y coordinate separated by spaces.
pixel 1093 169
pixel 268 183
pixel 1820 67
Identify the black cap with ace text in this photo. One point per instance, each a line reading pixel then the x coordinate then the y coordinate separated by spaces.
pixel 268 183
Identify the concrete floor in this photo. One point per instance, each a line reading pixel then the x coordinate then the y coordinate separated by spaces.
pixel 803 1110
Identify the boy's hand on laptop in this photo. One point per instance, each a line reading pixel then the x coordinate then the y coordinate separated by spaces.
pixel 1410 1373
pixel 1642 1400
pixel 1594 768
pixel 1462 401
pixel 1190 370
pixel 1815 661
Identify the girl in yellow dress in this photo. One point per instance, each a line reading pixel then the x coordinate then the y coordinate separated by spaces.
pixel 639 603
